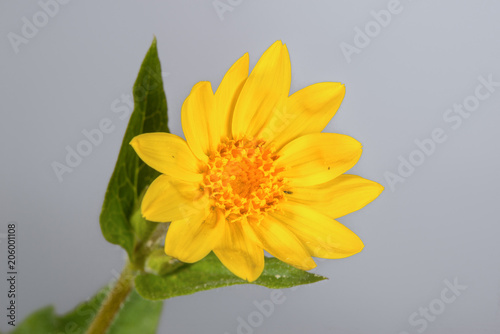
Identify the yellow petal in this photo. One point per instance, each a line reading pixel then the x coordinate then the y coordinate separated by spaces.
pixel 226 96
pixel 317 158
pixel 239 252
pixel 168 154
pixel 307 111
pixel 168 199
pixel 281 243
pixel 266 89
pixel 338 197
pixel 322 236
pixel 197 112
pixel 191 239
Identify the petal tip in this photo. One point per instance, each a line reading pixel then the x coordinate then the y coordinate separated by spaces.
pixel 357 247
pixel 376 188
pixel 134 142
pixel 252 277
pixel 202 84
pixel 309 264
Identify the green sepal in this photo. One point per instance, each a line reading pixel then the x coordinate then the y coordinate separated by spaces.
pixel 160 264
pixel 142 227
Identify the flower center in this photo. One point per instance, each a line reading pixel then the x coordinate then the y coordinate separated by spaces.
pixel 243 179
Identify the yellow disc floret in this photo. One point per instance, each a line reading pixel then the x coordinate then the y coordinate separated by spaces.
pixel 243 180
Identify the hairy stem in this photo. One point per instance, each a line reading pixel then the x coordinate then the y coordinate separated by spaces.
pixel 113 302
pixel 123 286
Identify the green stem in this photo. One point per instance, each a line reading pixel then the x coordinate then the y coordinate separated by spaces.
pixel 113 302
pixel 116 297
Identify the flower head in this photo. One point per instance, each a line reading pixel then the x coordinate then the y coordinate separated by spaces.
pixel 255 172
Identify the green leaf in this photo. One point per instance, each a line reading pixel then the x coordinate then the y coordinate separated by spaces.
pixel 42 321
pixel 76 321
pixel 210 273
pixel 137 315
pixel 131 176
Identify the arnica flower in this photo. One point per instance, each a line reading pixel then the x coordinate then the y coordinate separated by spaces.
pixel 255 172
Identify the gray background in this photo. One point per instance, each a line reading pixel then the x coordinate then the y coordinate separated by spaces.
pixel 440 224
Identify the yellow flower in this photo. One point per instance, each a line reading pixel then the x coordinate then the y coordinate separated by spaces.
pixel 255 172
